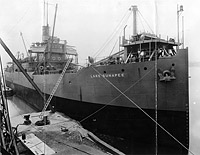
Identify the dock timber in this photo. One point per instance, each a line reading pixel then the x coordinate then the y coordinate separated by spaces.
pixel 61 136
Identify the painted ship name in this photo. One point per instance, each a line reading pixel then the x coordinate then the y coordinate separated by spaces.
pixel 107 75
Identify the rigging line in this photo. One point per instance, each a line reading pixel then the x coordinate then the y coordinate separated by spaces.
pixel 7 117
pixel 3 82
pixel 113 32
pixel 144 112
pixel 73 147
pixel 114 98
pixel 142 24
pixel 32 126
pixel 156 98
pixel 156 86
pixel 102 49
pixel 114 46
pixel 44 82
pixel 11 29
pixel 106 43
pixel 38 129
pixel 44 13
pixel 116 32
pixel 44 89
pixel 146 22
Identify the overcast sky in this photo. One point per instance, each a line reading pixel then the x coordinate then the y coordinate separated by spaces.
pixel 87 24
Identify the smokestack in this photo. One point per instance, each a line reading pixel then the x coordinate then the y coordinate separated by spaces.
pixel 45 33
pixel 134 9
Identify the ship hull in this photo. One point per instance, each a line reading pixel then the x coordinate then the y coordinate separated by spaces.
pixel 112 103
pixel 129 129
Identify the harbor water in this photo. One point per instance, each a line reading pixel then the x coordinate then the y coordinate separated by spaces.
pixel 194 94
pixel 19 107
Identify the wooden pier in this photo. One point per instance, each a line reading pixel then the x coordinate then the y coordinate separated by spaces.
pixel 61 135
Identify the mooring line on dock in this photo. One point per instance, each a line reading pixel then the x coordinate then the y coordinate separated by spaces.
pixel 116 30
pixel 144 111
pixel 118 95
pixel 111 100
pixel 74 148
pixel 61 142
pixel 42 131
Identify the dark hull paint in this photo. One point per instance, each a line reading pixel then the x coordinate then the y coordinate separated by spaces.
pixel 81 94
pixel 138 83
pixel 135 130
pixel 8 92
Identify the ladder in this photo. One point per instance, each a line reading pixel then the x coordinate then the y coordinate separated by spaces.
pixel 55 88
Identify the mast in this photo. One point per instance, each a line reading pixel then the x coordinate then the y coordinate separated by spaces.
pixel 135 9
pixel 21 68
pixel 54 22
pixel 44 14
pixel 47 14
pixel 179 11
pixel 183 32
pixel 24 43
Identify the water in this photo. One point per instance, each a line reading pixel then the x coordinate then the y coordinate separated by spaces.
pixel 18 107
pixel 194 92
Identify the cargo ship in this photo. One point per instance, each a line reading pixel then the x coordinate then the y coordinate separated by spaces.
pixel 139 94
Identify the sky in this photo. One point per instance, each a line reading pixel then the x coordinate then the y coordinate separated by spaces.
pixel 87 24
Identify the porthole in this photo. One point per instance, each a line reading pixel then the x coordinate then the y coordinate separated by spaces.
pixel 122 70
pixel 41 67
pixel 104 72
pixel 173 64
pixel 145 68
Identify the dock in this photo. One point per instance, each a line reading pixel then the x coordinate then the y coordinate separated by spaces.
pixel 62 135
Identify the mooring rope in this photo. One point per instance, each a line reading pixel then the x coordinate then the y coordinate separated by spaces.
pixel 143 111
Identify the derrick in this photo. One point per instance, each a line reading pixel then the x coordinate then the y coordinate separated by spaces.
pixel 21 68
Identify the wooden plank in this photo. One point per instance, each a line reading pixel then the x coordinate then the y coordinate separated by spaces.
pixel 37 146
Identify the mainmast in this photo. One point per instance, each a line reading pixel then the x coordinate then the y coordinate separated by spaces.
pixel 135 9
pixel 179 11
pixel 52 36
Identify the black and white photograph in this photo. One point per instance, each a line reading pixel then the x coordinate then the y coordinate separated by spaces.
pixel 99 77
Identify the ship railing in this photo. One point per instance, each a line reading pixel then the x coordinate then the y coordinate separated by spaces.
pixel 107 60
pixel 150 56
pixel 146 39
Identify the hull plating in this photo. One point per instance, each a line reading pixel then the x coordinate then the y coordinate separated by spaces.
pixel 86 97
pixel 134 132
